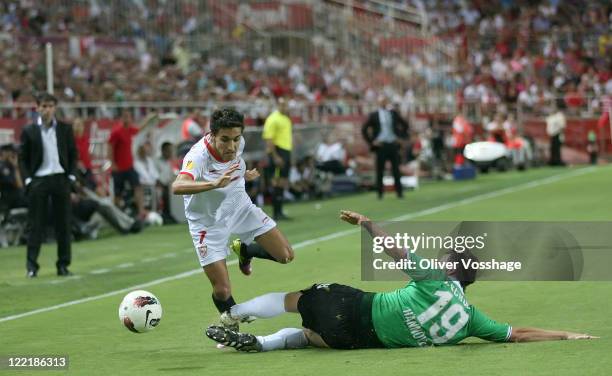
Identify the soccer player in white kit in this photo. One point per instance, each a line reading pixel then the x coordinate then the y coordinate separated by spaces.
pixel 212 182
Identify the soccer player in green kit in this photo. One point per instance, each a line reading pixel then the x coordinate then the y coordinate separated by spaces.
pixel 430 311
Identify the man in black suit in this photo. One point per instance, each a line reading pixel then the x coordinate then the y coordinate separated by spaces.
pixel 48 157
pixel 384 131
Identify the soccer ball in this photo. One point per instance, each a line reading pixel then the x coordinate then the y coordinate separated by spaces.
pixel 140 311
pixel 154 219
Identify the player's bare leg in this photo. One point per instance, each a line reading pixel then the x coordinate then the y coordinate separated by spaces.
pixel 291 301
pixel 276 245
pixel 222 292
pixel 271 245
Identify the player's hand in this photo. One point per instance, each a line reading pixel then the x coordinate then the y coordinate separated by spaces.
pixel 226 178
pixel 251 175
pixel 571 335
pixel 352 217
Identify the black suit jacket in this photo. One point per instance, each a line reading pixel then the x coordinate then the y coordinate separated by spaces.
pixel 32 149
pixel 371 128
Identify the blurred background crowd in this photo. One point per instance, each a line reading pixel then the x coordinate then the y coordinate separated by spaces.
pixel 457 71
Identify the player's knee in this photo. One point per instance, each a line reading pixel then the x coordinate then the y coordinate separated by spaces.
pixel 286 256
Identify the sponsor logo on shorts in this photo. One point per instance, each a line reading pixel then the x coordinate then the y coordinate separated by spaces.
pixel 189 165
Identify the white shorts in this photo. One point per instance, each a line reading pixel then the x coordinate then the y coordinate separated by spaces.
pixel 211 242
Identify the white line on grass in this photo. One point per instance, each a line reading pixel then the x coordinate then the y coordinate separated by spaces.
pixel 100 271
pixel 421 213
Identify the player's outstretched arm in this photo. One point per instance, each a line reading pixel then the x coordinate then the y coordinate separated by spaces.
pixel 186 185
pixel 536 334
pixel 148 120
pixel 355 218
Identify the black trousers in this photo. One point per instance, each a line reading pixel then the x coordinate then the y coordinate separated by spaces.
pixel 40 190
pixel 388 152
pixel 555 151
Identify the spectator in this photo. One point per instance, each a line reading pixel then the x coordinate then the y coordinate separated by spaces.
pixel 166 169
pixel 11 184
pixel 86 203
pixel 495 129
pixel 84 165
pixel 145 166
pixel 555 125
pixel 122 161
pixel 192 130
pixel 301 179
pixel 191 127
pixel 148 177
pixel 592 147
pixel 384 131
pixel 49 158
pixel 330 156
pixel 462 132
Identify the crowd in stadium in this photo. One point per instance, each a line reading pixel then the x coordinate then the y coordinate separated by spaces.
pixel 508 53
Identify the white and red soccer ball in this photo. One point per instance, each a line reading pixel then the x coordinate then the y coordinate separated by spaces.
pixel 140 311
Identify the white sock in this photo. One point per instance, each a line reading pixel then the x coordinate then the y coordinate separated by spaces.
pixel 263 306
pixel 288 338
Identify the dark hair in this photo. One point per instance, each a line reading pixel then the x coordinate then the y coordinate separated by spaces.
pixel 226 117
pixel 8 147
pixel 464 276
pixel 166 145
pixel 45 97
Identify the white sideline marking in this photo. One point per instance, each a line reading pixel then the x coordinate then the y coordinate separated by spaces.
pixel 125 265
pixel 500 192
pixel 58 281
pixel 99 271
pixel 436 209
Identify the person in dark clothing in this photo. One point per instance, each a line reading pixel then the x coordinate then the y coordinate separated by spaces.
pixel 11 184
pixel 48 158
pixel 555 127
pixel 384 131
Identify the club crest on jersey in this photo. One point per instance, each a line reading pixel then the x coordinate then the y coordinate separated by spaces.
pixel 189 165
pixel 202 250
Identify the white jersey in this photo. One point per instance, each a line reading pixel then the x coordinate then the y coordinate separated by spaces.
pixel 216 214
pixel 203 163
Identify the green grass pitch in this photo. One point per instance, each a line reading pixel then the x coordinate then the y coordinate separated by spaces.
pixel 90 333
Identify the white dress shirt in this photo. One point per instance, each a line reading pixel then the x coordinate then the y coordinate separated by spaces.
pixel 386 126
pixel 50 163
pixel 146 170
pixel 555 123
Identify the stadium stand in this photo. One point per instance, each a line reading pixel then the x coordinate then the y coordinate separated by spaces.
pixel 434 59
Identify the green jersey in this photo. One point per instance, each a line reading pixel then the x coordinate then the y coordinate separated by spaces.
pixel 431 311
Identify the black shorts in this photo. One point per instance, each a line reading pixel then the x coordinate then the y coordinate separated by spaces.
pixel 274 171
pixel 121 177
pixel 341 315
